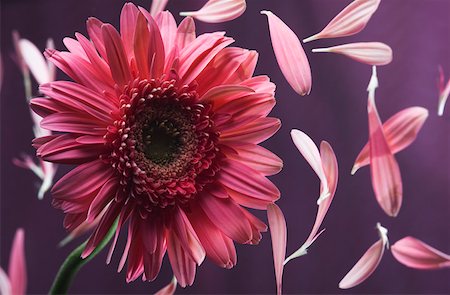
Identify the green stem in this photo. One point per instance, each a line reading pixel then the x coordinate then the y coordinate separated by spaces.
pixel 74 262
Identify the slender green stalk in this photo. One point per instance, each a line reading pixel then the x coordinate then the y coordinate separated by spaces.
pixel 74 262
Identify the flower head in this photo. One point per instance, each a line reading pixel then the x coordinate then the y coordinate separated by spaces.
pixel 164 127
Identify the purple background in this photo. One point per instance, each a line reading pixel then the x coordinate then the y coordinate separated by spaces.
pixel 417 30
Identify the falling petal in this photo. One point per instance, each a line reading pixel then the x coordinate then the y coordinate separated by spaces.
pixel 157 6
pixel 17 271
pixel 371 53
pixel 351 20
pixel 386 177
pixel 330 167
pixel 278 232
pixel 290 55
pixel 169 289
pixel 400 130
pixel 217 11
pixel 416 254
pixel 367 264
pixel 35 61
pixel 311 154
pixel 444 92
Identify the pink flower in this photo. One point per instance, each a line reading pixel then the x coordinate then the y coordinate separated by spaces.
pixel 162 137
pixel 15 282
pixel 416 254
pixel 368 263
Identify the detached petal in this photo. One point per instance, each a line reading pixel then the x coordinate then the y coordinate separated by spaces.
pixel 400 130
pixel 217 11
pixel 444 92
pixel 169 289
pixel 311 154
pixel 278 232
pixel 17 271
pixel 351 20
pixel 157 6
pixel 35 61
pixel 290 55
pixel 371 53
pixel 416 254
pixel 386 177
pixel 330 167
pixel 367 264
pixel 5 286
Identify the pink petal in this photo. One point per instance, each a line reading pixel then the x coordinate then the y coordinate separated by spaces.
pixel 416 254
pixel 351 20
pixel 228 216
pixel 386 177
pixel 311 154
pixel 290 55
pixel 117 58
pixel 35 61
pixel 17 271
pixel 367 264
pixel 278 232
pixel 216 11
pixel 444 92
pixel 182 265
pixel 371 53
pixel 185 32
pixel 400 130
pixel 157 6
pixel 169 289
pixel 128 18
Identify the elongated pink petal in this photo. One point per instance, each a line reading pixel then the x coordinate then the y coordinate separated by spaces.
pixel 182 265
pixel 400 130
pixel 169 289
pixel 367 264
pixel 351 20
pixel 371 53
pixel 290 55
pixel 157 6
pixel 386 177
pixel 444 92
pixel 278 232
pixel 217 11
pixel 17 271
pixel 311 154
pixel 35 61
pixel 416 254
pixel 330 167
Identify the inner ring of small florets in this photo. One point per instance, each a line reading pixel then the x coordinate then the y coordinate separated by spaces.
pixel 163 143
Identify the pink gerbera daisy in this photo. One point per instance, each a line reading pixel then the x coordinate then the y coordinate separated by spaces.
pixel 164 127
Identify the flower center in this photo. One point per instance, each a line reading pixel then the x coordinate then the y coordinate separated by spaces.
pixel 164 146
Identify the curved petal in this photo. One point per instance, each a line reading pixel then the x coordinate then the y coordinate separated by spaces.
pixel 17 271
pixel 416 254
pixel 444 92
pixel 182 265
pixel 290 55
pixel 5 286
pixel 371 53
pixel 400 130
pixel 367 264
pixel 35 61
pixel 158 6
pixel 278 233
pixel 351 20
pixel 311 154
pixel 185 32
pixel 217 11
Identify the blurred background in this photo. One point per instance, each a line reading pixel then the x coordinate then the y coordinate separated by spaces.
pixel 417 30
